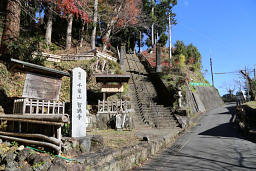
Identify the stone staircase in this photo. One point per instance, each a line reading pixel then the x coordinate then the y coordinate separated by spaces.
pixel 145 99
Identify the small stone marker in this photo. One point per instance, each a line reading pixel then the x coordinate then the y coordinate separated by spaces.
pixel 79 98
pixel 118 121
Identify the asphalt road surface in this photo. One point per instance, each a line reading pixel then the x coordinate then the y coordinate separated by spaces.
pixel 214 144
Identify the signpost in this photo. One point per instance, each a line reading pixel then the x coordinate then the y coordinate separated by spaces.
pixel 79 98
pixel 41 87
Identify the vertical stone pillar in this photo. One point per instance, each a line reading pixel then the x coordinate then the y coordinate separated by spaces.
pixel 122 55
pixel 158 58
pixel 79 102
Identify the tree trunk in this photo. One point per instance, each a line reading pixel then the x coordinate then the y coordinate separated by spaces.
pixel 109 26
pixel 152 26
pixel 250 85
pixel 82 34
pixel 11 27
pixel 48 33
pixel 95 15
pixel 170 39
pixel 69 32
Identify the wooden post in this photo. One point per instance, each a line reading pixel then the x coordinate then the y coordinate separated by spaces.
pixel 63 110
pixel 24 106
pixel 48 108
pixel 43 107
pixel 19 127
pixel 53 107
pixel 30 106
pixel 59 136
pixel 37 106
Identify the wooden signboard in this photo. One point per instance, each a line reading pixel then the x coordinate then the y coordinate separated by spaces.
pixel 106 88
pixel 41 87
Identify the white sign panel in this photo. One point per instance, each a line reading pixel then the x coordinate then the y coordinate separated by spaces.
pixel 79 98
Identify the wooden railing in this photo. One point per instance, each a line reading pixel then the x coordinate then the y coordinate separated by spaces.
pixel 75 57
pixel 34 106
pixel 113 106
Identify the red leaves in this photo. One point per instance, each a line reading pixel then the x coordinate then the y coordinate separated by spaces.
pixel 129 13
pixel 71 6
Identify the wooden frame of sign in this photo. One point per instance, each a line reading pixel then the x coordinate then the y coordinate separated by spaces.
pixel 37 115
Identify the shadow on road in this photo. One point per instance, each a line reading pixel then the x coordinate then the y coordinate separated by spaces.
pixel 228 129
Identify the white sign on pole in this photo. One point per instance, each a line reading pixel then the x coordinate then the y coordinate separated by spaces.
pixel 79 98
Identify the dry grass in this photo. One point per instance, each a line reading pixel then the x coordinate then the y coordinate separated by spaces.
pixel 251 104
pixel 117 139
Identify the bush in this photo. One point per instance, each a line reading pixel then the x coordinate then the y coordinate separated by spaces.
pixel 23 49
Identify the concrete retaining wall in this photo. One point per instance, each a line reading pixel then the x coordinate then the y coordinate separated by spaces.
pixel 209 97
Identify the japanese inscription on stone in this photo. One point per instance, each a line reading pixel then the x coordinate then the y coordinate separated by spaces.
pixel 79 102
pixel 41 87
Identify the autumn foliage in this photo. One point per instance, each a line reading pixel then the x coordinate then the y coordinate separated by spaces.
pixel 130 12
pixel 76 7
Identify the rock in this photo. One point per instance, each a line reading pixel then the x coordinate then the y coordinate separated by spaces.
pixel 31 158
pixel 12 166
pixel 10 157
pixel 39 159
pixel 67 146
pixel 25 167
pixel 96 143
pixel 20 148
pixel 75 143
pixel 42 166
pixel 76 167
pixel 22 155
pixel 57 167
pixel 58 160
pixel 85 144
pixel 79 159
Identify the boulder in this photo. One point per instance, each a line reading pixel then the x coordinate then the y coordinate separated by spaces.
pixel 85 144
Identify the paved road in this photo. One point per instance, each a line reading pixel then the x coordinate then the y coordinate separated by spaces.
pixel 214 144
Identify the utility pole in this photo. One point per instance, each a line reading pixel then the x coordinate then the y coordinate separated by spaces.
pixel 170 39
pixel 247 83
pixel 211 72
pixel 254 71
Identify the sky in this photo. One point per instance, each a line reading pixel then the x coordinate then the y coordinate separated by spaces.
pixel 222 29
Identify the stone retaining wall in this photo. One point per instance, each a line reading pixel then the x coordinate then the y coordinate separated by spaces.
pixel 128 157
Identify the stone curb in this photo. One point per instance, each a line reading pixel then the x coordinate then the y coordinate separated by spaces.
pixel 128 157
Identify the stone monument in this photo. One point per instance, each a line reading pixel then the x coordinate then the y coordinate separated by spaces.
pixel 79 99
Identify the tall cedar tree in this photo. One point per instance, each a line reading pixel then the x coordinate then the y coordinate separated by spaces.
pixel 11 27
